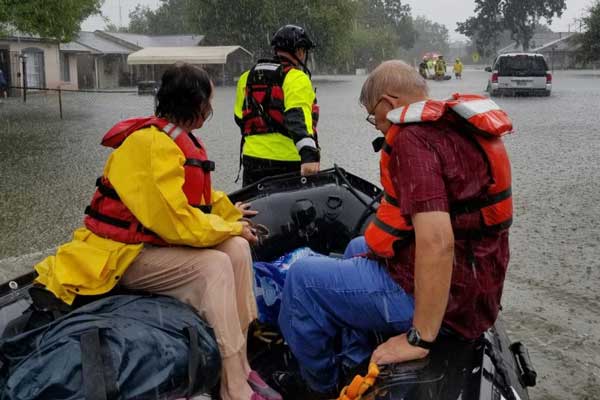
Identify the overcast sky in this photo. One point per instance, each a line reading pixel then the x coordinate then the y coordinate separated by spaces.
pixel 447 12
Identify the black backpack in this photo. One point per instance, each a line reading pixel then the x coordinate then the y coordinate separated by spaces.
pixel 119 347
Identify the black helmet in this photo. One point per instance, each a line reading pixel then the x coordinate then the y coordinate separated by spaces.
pixel 291 37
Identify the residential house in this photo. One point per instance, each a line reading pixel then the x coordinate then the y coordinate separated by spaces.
pixel 105 66
pixel 37 62
pixel 559 48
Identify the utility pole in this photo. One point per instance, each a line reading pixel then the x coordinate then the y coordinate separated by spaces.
pixel 120 16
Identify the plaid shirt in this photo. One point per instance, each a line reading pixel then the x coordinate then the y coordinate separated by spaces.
pixel 432 166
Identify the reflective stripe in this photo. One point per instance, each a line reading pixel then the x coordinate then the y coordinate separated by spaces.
pixel 173 131
pixel 394 115
pixel 414 112
pixel 406 114
pixel 168 128
pixel 176 132
pixel 469 109
pixel 308 142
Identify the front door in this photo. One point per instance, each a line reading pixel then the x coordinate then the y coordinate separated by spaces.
pixel 34 65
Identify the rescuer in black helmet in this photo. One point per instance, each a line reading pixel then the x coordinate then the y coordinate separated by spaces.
pixel 276 110
pixel 294 40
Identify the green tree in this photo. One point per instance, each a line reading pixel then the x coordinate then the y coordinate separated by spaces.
pixel 381 29
pixel 485 27
pixel 520 17
pixel 251 23
pixel 56 19
pixel 111 27
pixel 590 38
pixel 430 37
pixel 172 17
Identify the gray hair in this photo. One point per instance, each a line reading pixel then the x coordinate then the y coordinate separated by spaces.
pixel 393 77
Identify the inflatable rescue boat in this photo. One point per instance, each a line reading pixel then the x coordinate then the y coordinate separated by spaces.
pixel 322 212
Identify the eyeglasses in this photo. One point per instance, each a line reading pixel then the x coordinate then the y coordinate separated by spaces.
pixel 371 117
pixel 207 112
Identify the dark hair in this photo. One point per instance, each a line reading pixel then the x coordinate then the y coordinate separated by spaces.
pixel 183 92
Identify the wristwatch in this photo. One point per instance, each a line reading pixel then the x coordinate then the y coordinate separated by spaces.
pixel 414 338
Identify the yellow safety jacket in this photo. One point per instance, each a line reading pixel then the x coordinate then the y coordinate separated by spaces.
pixel 440 67
pixel 299 97
pixel 458 67
pixel 147 172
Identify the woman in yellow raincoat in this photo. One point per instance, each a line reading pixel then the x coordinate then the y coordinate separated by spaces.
pixel 197 254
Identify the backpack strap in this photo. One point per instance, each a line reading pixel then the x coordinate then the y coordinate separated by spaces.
pixel 99 379
pixel 193 361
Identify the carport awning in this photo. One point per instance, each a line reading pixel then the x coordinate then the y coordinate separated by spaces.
pixel 191 55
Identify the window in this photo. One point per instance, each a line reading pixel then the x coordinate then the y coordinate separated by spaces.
pixel 65 70
pixel 522 65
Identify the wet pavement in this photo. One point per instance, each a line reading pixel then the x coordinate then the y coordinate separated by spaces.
pixel 551 301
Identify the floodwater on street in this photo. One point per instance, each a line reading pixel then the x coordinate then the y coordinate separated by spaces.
pixel 551 301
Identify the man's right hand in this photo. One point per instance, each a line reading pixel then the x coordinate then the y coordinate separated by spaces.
pixel 309 168
pixel 248 233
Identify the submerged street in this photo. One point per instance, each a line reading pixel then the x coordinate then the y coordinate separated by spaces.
pixel 48 168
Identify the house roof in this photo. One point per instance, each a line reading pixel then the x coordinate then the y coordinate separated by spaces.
pixel 14 35
pixel 138 41
pixel 74 47
pixel 99 44
pixel 538 41
pixel 191 55
pixel 563 44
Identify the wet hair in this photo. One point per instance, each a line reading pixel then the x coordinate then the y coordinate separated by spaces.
pixel 184 93
pixel 393 77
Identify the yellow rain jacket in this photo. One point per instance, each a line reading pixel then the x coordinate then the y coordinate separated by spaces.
pixel 458 67
pixel 298 94
pixel 147 173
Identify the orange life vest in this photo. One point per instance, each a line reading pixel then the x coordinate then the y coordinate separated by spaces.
pixel 108 217
pixel 485 123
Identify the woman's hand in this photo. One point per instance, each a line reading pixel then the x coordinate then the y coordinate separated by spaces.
pixel 397 349
pixel 248 233
pixel 245 209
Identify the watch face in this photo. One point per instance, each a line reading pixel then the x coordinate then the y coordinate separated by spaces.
pixel 413 336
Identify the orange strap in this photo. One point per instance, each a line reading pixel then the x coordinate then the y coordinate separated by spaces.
pixel 359 384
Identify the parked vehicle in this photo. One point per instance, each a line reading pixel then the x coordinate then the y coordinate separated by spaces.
pixel 519 73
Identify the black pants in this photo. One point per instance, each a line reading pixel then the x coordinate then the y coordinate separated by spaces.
pixel 256 169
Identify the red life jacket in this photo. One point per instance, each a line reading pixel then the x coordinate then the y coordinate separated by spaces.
pixel 108 217
pixel 263 109
pixel 485 123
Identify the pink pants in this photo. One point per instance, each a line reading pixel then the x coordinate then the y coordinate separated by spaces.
pixel 217 282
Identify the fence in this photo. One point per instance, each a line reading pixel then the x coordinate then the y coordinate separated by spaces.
pixel 60 91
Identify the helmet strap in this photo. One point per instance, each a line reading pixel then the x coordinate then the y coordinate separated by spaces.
pixel 302 64
pixel 296 60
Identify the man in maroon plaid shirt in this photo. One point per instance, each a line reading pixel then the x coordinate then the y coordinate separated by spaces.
pixel 438 279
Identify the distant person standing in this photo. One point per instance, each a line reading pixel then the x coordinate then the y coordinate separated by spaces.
pixel 440 68
pixel 458 68
pixel 423 68
pixel 430 64
pixel 3 85
pixel 277 112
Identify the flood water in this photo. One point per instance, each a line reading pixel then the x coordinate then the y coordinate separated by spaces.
pixel 551 302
